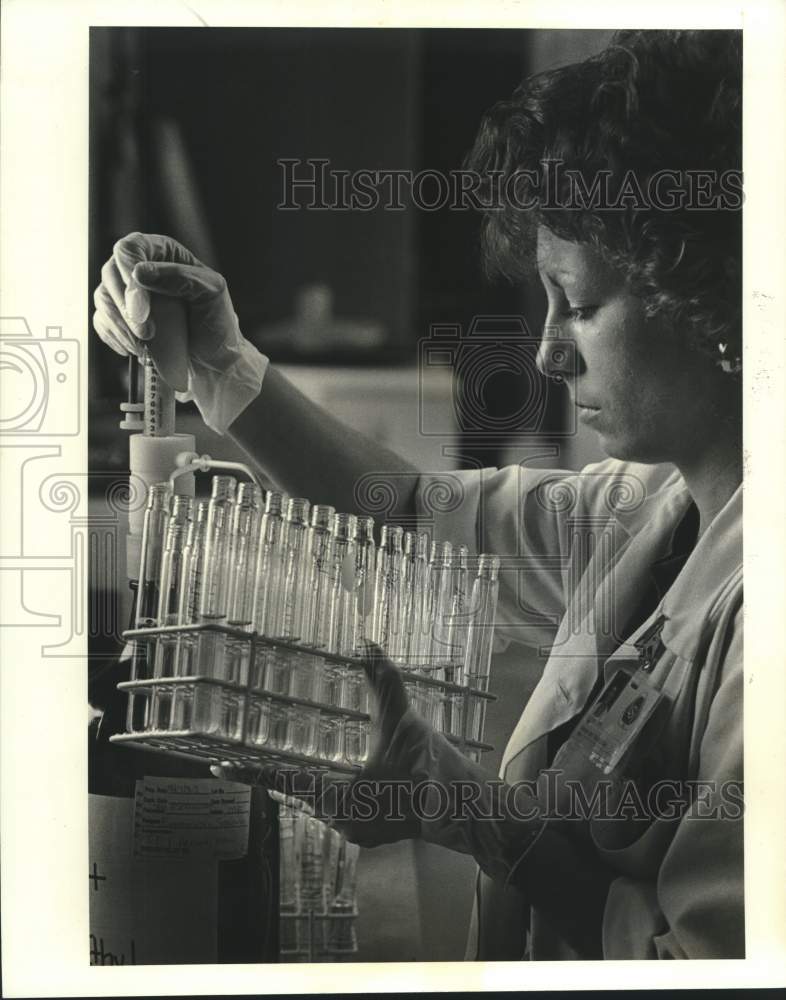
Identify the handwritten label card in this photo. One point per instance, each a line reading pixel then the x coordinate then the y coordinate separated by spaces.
pixel 191 819
pixel 145 912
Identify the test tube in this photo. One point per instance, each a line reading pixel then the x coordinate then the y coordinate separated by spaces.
pixel 421 631
pixel 319 577
pixel 292 628
pixel 331 857
pixel 311 877
pixel 423 695
pixel 152 551
pixel 171 574
pixel 267 608
pixel 288 892
pixel 348 621
pixel 356 740
pixel 168 605
pixel 440 604
pixel 407 599
pixel 341 934
pixel 317 585
pixel 143 658
pixel 312 889
pixel 242 565
pixel 190 588
pixel 480 637
pixel 439 655
pixel 363 590
pixel 243 554
pixel 331 736
pixel 456 640
pixel 302 730
pixel 290 624
pixel 459 616
pixel 213 602
pixel 387 589
pixel 343 601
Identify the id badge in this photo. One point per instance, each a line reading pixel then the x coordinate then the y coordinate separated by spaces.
pixel 616 719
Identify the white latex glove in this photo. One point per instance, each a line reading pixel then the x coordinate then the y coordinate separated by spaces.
pixel 225 371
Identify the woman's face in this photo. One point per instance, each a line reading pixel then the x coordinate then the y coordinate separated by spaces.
pixel 634 382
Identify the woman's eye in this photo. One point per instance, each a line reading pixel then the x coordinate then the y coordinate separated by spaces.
pixel 580 313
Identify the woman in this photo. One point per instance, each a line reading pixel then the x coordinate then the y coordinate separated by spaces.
pixel 616 831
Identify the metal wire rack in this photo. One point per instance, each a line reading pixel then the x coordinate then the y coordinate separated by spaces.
pixel 336 931
pixel 210 743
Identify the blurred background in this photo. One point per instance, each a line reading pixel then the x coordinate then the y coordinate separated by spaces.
pixel 186 126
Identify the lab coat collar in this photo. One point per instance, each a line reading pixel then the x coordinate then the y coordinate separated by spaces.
pixel 713 567
pixel 578 654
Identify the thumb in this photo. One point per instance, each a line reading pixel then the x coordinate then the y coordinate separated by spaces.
pixel 387 688
pixel 183 281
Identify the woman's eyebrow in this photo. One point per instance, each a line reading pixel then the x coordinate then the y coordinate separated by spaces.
pixel 551 276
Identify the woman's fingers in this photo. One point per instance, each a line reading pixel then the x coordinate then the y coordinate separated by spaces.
pixel 117 287
pixel 387 688
pixel 184 281
pixel 110 337
pixel 111 319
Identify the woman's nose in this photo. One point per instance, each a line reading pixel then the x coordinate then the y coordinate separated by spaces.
pixel 556 354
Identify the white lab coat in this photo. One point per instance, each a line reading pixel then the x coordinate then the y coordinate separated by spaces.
pixel 577 551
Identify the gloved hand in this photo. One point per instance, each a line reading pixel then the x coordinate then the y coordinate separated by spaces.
pixel 225 371
pixel 415 784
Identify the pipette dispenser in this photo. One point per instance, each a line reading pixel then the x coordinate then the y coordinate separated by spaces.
pixel 154 445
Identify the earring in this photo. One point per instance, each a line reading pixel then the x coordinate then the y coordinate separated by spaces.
pixel 731 365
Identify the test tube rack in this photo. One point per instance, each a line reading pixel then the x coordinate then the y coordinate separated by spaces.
pixel 319 935
pixel 226 730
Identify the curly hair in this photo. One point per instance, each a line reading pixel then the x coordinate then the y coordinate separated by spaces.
pixel 652 104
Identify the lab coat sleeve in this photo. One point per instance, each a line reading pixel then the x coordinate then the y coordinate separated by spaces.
pixel 695 906
pixel 527 517
pixel 505 829
pixel 541 523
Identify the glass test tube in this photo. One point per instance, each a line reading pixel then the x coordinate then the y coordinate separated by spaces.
pixel 288 892
pixel 341 933
pixel 439 652
pixel 343 600
pixel 168 608
pixel 287 622
pixel 420 631
pixel 190 588
pixel 213 602
pixel 267 608
pixel 319 577
pixel 312 865
pixel 143 659
pixel 317 587
pixel 480 638
pixel 387 589
pixel 407 598
pixel 243 554
pixel 292 628
pixel 242 566
pixel 363 589
pixel 152 551
pixel 344 685
pixel 456 640
pixel 423 695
